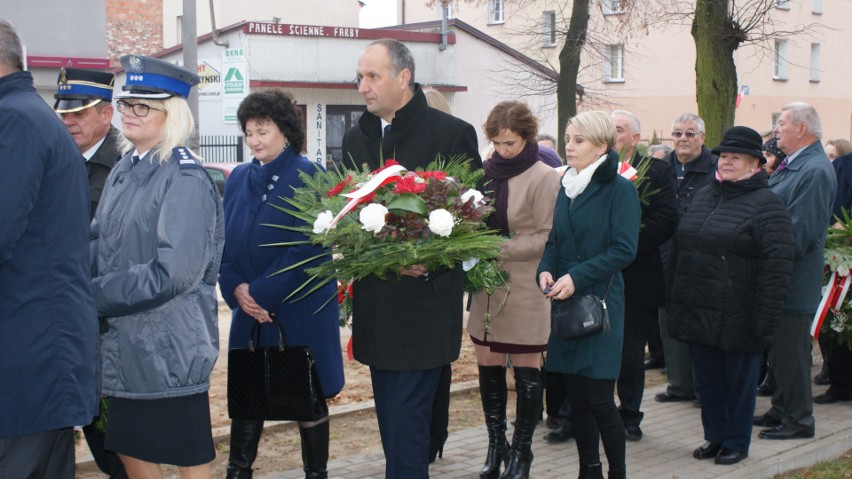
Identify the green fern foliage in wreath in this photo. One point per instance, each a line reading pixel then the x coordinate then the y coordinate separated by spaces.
pixel 391 220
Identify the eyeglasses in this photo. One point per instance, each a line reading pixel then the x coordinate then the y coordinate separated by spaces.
pixel 689 133
pixel 138 109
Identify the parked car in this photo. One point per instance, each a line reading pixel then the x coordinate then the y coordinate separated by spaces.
pixel 219 172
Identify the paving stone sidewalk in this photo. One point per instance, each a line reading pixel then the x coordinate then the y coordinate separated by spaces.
pixel 671 430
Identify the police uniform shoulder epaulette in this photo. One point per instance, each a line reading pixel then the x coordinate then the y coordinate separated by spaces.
pixel 184 158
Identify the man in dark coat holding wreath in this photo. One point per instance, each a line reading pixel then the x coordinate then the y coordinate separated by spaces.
pixel 644 282
pixel 408 329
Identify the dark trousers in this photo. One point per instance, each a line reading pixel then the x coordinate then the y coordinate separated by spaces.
pixel 726 385
pixel 441 410
pixel 840 372
pixel 404 411
pixel 655 342
pixel 631 379
pixel 678 362
pixel 108 462
pixel 595 418
pixel 34 456
pixel 790 357
pixel 555 400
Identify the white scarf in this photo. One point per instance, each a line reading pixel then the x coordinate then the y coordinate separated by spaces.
pixel 576 183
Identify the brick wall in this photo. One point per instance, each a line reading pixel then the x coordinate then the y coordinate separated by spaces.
pixel 133 26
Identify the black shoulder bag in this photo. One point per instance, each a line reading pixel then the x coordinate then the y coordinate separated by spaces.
pixel 580 315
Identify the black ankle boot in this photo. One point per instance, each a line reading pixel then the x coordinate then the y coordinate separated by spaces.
pixel 315 450
pixel 244 438
pixel 529 389
pixel 492 390
pixel 590 471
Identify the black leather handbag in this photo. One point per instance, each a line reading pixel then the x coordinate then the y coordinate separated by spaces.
pixel 274 383
pixel 579 316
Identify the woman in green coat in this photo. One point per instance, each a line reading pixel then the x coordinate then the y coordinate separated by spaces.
pixel 594 236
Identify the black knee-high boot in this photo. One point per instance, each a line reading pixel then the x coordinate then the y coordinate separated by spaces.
pixel 245 434
pixel 315 450
pixel 529 389
pixel 492 390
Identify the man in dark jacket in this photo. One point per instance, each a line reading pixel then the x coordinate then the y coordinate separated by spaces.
pixel 48 324
pixel 644 283
pixel 83 101
pixel 406 330
pixel 806 182
pixel 694 167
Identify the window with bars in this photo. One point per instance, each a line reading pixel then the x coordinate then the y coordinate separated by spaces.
pixel 614 66
pixel 548 29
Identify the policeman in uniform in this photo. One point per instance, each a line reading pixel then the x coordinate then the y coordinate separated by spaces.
pixel 83 100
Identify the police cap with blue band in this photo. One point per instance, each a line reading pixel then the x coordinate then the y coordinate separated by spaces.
pixel 78 89
pixel 152 78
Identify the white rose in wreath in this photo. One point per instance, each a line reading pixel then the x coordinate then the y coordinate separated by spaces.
pixel 372 217
pixel 323 222
pixel 441 222
pixel 471 193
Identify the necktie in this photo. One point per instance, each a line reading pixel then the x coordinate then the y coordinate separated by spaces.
pixel 135 159
pixel 387 130
pixel 782 165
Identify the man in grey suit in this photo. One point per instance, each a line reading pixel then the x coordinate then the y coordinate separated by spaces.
pixel 806 183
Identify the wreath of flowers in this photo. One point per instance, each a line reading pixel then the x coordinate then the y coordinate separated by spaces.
pixel 376 223
pixel 838 258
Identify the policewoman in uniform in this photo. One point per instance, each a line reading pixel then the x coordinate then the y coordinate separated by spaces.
pixel 84 102
pixel 157 242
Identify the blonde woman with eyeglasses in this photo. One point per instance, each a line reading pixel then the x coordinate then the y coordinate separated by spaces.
pixel 158 241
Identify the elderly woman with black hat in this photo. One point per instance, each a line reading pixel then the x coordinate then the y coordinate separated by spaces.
pixel 158 236
pixel 732 257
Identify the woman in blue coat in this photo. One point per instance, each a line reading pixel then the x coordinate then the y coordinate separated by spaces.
pixel 273 127
pixel 594 236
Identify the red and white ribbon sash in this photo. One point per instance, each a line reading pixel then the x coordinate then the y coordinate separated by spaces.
pixel 627 171
pixel 833 297
pixel 380 178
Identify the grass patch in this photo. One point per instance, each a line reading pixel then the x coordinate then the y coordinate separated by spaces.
pixel 837 469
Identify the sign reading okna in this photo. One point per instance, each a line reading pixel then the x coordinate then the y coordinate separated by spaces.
pixel 235 82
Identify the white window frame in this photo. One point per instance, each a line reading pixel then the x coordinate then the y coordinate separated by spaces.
pixel 815 62
pixel 780 61
pixel 179 29
pixel 611 7
pixel 816 9
pixel 614 64
pixel 782 4
pixel 548 29
pixel 496 12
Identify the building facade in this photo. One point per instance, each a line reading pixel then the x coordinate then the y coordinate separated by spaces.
pixel 649 68
pixel 317 64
